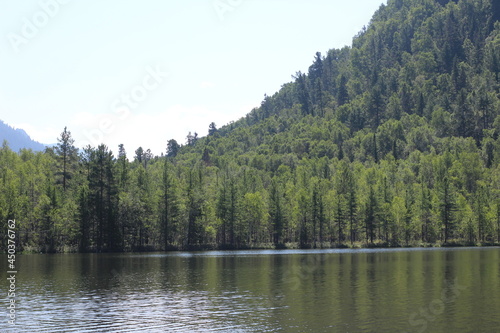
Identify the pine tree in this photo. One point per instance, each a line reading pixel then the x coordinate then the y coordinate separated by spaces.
pixel 212 129
pixel 343 94
pixel 370 216
pixel 102 200
pixel 194 202
pixel 447 206
pixel 169 206
pixel 122 168
pixel 67 157
pixel 172 148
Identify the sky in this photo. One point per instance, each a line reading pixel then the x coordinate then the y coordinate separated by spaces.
pixel 143 72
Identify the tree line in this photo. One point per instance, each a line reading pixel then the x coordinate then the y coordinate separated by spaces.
pixel 94 201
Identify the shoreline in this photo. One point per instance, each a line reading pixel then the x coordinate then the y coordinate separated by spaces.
pixel 287 246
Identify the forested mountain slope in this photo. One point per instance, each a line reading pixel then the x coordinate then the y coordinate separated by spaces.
pixel 390 142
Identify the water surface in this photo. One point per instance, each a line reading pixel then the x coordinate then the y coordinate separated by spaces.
pixel 397 290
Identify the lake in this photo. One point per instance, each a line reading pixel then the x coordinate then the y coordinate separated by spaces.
pixel 391 290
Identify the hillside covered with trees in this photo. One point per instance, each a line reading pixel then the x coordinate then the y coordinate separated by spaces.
pixel 393 141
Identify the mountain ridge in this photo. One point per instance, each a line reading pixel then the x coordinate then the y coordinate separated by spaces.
pixel 341 98
pixel 18 138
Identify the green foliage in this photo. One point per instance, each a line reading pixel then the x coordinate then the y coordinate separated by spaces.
pixel 392 141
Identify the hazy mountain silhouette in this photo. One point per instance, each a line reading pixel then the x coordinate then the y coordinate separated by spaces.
pixel 18 138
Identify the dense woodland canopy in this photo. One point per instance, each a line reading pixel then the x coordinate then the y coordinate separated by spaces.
pixel 393 141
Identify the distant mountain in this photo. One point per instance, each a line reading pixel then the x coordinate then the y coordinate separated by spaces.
pixel 18 138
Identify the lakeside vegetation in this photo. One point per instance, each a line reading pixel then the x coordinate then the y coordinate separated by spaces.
pixel 393 141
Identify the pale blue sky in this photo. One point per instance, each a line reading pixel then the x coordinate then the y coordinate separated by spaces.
pixel 99 67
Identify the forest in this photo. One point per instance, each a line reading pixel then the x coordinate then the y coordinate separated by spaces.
pixel 393 141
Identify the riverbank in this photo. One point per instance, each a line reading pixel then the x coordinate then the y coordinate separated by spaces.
pixel 269 246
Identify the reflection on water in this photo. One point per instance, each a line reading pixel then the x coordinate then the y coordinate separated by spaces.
pixel 403 290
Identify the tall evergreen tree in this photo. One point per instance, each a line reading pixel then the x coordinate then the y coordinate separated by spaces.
pixel 370 216
pixel 67 157
pixel 172 148
pixel 276 213
pixel 169 206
